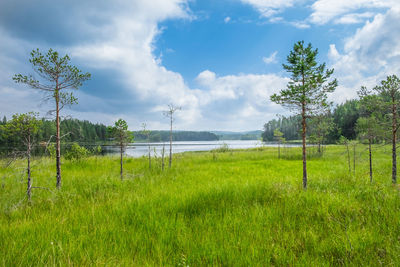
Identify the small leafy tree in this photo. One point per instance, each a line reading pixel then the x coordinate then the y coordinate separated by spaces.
pixel 51 149
pixel 278 135
pixel 25 126
pixel 389 89
pixel 76 152
pixel 97 150
pixel 306 93
pixel 56 76
pixel 122 137
pixel 170 114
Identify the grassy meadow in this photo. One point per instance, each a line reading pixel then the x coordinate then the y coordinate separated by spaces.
pixel 237 208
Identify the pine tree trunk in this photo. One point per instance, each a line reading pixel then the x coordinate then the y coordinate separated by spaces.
pixel 149 159
pixel 370 159
pixel 303 122
pixel 162 157
pixel 279 149
pixel 58 146
pixel 354 159
pixel 348 156
pixel 121 162
pixel 29 185
pixel 394 156
pixel 170 145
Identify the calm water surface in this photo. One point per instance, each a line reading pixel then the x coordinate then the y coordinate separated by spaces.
pixel 140 149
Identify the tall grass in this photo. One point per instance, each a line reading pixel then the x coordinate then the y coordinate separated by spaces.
pixel 241 207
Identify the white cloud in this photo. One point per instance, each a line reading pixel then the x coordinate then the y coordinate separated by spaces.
pixel 300 24
pixel 227 19
pixel 242 98
pixel 354 18
pixel 368 56
pixel 124 45
pixel 325 11
pixel 269 8
pixel 271 58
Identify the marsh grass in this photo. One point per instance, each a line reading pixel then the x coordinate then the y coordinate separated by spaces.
pixel 242 208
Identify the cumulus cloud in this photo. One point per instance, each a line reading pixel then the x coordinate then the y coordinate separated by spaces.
pixel 271 58
pixel 368 56
pixel 244 97
pixel 354 18
pixel 324 11
pixel 269 8
pixel 121 43
pixel 118 44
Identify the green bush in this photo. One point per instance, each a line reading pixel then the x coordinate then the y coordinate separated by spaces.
pixel 76 152
pixel 52 150
pixel 97 150
pixel 223 148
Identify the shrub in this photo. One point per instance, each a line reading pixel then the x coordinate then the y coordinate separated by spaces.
pixel 97 150
pixel 52 150
pixel 76 152
pixel 223 148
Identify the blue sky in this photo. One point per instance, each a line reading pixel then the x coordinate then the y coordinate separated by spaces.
pixel 219 60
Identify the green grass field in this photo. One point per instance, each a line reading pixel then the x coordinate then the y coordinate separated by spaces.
pixel 240 208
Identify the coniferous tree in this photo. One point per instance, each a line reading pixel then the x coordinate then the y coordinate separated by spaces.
pixel 25 126
pixel 306 93
pixel 56 76
pixel 278 135
pixel 122 137
pixel 390 91
pixel 369 124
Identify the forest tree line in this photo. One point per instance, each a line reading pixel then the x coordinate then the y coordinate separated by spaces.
pixel 163 136
pixel 86 132
pixel 340 121
pixel 72 130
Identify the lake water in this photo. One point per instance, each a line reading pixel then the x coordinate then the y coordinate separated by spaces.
pixel 140 149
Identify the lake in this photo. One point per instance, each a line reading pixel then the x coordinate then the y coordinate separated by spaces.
pixel 140 149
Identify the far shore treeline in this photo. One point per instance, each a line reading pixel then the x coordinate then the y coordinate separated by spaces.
pixel 327 129
pixel 87 133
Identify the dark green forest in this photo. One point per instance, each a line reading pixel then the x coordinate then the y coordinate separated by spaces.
pixel 163 136
pixel 72 130
pixel 88 133
pixel 341 121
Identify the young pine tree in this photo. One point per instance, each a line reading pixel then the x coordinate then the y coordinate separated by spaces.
pixel 122 137
pixel 369 125
pixel 278 136
pixel 25 127
pixel 306 93
pixel 55 77
pixel 390 91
